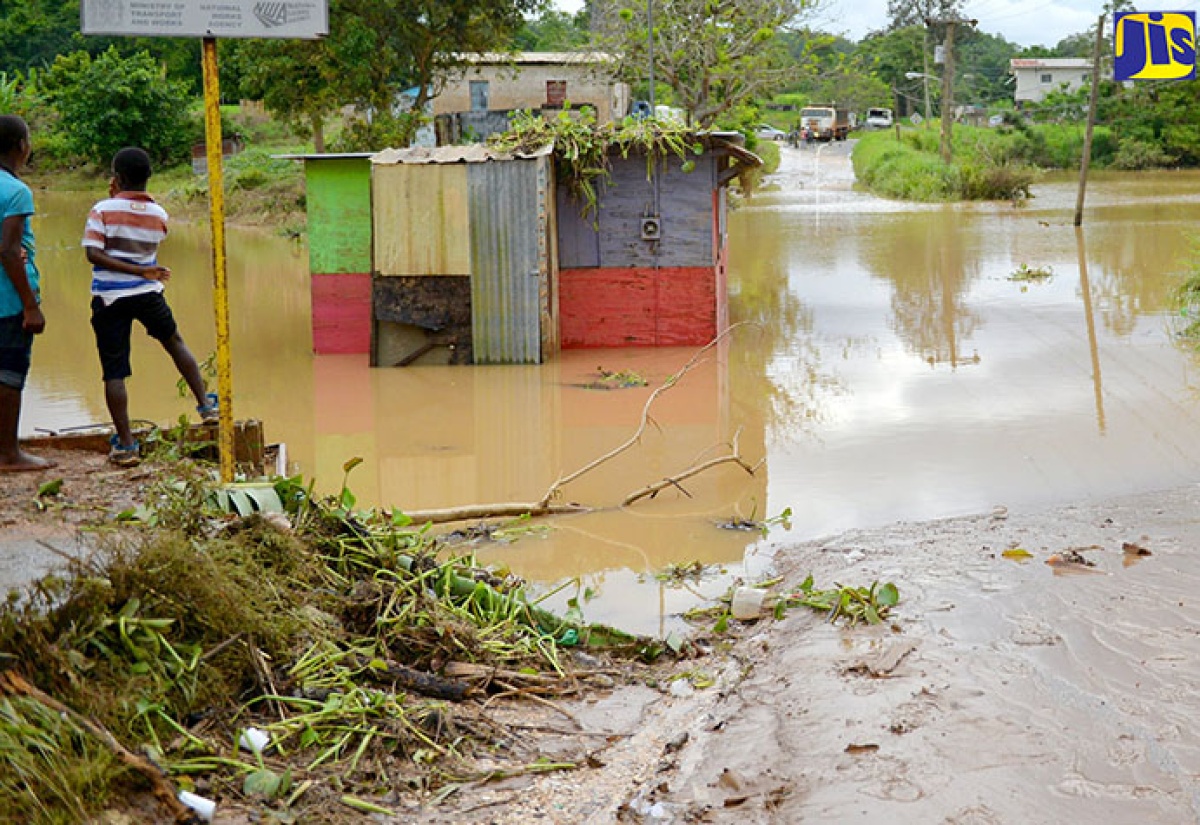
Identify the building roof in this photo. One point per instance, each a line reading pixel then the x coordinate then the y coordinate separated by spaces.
pixel 468 153
pixel 1049 63
pixel 538 58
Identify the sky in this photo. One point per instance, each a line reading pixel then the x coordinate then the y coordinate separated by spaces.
pixel 1024 22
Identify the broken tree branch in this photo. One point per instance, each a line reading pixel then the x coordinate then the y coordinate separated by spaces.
pixel 671 381
pixel 471 512
pixel 734 457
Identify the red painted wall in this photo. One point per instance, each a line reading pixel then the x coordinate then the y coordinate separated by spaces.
pixel 341 313
pixel 638 307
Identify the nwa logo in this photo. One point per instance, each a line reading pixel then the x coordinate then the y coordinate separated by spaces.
pixel 1154 45
pixel 280 14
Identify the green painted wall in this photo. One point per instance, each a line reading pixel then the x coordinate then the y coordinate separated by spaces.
pixel 339 215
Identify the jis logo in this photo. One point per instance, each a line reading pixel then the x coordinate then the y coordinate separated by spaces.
pixel 1154 45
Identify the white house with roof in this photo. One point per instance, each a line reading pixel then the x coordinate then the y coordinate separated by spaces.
pixel 1038 76
pixel 538 81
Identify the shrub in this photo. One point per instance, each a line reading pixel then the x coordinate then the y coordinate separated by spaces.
pixel 380 132
pixel 985 166
pixel 109 102
pixel 1139 154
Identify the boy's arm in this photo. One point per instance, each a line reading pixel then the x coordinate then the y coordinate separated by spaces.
pixel 12 259
pixel 98 257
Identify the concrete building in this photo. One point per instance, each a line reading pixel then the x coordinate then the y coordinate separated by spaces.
pixel 1037 77
pixel 537 81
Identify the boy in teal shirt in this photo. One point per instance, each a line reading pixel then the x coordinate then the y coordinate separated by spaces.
pixel 20 314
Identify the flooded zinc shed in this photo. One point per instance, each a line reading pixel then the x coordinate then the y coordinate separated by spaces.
pixel 644 265
pixel 338 206
pixel 463 257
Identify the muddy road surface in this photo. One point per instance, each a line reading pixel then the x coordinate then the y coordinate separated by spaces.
pixel 1041 668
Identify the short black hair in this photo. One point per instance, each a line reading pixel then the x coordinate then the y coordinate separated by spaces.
pixel 132 166
pixel 12 131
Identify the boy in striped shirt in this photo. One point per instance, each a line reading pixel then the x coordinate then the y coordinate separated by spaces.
pixel 121 239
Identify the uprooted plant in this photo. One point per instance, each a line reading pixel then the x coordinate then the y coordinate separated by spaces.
pixel 344 635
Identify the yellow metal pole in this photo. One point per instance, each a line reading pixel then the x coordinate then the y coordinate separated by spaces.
pixel 216 201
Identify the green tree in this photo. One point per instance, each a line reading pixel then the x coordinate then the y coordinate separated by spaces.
pixel 34 32
pixel 981 66
pixel 848 82
pixel 296 80
pixel 376 50
pixel 555 31
pixel 903 13
pixel 714 54
pixel 109 102
pixel 891 54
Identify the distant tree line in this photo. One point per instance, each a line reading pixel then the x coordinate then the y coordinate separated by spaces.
pixel 721 62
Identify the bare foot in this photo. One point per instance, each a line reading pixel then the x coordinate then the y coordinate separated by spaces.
pixel 24 463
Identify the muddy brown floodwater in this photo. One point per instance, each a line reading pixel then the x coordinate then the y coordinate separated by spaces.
pixel 894 372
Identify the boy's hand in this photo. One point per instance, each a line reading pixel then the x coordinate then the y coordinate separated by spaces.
pixel 156 273
pixel 33 320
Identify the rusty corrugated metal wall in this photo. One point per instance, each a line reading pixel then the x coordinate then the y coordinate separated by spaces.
pixel 508 259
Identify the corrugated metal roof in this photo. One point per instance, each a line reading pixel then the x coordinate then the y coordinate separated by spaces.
pixel 538 58
pixel 470 153
pixel 325 156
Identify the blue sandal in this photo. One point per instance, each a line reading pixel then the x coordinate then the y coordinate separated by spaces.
pixel 124 456
pixel 210 410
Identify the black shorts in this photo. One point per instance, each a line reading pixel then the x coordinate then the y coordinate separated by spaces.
pixel 16 346
pixel 113 325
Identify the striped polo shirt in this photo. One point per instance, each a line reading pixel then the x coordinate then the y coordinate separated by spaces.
pixel 128 226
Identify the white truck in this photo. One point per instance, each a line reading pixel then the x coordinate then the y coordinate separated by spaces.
pixel 823 122
pixel 879 118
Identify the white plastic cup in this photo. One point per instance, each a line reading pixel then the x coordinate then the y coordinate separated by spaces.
pixel 747 603
pixel 204 808
pixel 254 740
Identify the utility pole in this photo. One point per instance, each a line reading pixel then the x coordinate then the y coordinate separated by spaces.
pixel 948 78
pixel 925 71
pixel 1091 122
pixel 948 91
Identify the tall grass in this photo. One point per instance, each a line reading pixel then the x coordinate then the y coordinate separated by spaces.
pixel 986 165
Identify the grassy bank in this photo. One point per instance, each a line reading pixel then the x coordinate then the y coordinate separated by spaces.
pixel 984 166
pixel 988 164
pixel 259 189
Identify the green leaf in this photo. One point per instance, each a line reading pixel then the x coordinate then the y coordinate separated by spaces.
pixel 263 782
pixel 888 595
pixel 50 488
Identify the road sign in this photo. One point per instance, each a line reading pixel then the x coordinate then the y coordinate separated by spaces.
pixel 298 19
pixel 915 118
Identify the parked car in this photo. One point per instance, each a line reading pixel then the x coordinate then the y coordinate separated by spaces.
pixel 767 132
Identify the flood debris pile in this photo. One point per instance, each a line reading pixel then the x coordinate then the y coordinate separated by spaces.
pixel 352 650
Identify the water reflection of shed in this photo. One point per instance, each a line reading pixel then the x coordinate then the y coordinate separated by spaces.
pixel 463 257
pixel 646 265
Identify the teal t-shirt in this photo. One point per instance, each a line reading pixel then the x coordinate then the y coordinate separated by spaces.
pixel 16 199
